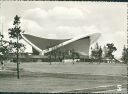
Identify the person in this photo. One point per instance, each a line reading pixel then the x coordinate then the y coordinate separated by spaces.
pixel 2 63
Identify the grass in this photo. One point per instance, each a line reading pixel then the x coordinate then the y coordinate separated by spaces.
pixel 78 68
pixel 42 77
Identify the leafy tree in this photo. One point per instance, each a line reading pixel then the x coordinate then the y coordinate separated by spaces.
pixel 4 50
pixel 50 57
pixel 125 55
pixel 105 50
pixel 100 54
pixel 49 54
pixel 63 55
pixel 96 53
pixel 110 49
pixel 74 55
pixel 59 55
pixel 15 34
pixel 4 53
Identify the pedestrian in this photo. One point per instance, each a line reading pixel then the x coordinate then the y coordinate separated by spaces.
pixel 2 63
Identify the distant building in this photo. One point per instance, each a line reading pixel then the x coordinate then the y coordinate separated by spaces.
pixel 80 44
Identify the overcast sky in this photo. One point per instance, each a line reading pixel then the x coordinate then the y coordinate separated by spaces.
pixel 69 19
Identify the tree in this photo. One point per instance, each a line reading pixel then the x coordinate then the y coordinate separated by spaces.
pixel 4 50
pixel 50 53
pixel 74 55
pixel 100 54
pixel 105 50
pixel 15 34
pixel 59 54
pixel 96 53
pixel 110 49
pixel 124 57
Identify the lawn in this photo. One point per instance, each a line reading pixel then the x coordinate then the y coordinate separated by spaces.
pixel 61 77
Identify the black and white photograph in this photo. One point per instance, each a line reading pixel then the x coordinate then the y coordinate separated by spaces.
pixel 63 47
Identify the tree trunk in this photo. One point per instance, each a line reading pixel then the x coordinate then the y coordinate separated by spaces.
pixel 18 74
pixel 50 60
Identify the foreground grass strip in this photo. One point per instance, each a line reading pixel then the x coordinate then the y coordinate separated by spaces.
pixel 4 74
pixel 96 89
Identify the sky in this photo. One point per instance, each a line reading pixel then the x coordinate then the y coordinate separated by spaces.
pixel 68 19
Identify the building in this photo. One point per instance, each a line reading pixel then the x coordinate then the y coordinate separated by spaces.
pixel 79 44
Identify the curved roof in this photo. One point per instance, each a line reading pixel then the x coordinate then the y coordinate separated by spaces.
pixel 56 43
